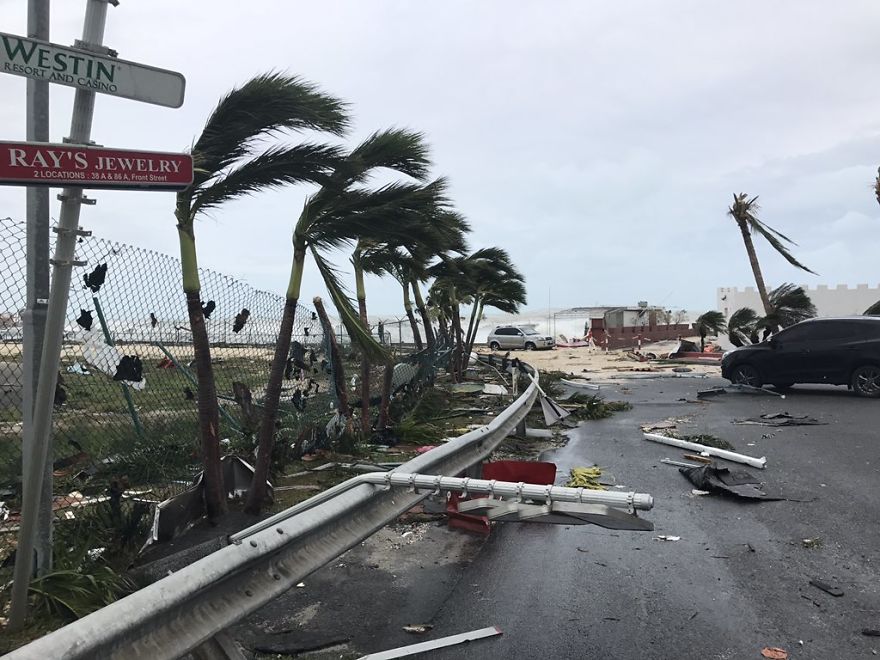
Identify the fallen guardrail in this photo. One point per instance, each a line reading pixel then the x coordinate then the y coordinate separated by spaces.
pixel 190 609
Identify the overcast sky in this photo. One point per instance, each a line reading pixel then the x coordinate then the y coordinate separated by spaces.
pixel 599 143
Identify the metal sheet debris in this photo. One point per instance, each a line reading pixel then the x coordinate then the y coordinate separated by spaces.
pixel 430 645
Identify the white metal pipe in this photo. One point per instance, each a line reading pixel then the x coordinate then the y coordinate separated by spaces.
pixel 712 451
pixel 510 489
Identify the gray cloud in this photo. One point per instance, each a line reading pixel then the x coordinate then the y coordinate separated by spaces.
pixel 599 143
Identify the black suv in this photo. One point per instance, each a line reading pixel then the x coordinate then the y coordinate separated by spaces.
pixel 836 351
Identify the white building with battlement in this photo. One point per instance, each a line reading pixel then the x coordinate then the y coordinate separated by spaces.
pixel 840 300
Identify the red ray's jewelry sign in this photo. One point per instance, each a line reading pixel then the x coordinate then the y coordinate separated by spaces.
pixel 60 165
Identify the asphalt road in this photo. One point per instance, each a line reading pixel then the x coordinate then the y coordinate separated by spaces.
pixel 736 582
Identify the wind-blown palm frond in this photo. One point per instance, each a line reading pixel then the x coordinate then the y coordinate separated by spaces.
pixel 397 213
pixel 396 149
pixel 742 326
pixel 790 305
pixel 277 166
pixel 506 297
pixel 263 106
pixel 744 209
pixel 873 310
pixel 359 335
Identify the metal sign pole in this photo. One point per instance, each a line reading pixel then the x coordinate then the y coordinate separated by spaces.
pixel 37 287
pixel 65 247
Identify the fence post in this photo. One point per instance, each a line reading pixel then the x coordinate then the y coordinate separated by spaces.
pixel 65 248
pixel 37 288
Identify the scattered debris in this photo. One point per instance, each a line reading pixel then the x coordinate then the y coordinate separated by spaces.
pixel 870 632
pixel 208 308
pixel 696 492
pixel 722 480
pixel 667 461
pixel 780 419
pixel 712 451
pixel 77 368
pixel 153 320
pixel 466 388
pixel 441 642
pixel 578 384
pixel 837 592
pixel 707 440
pixel 745 389
pixel 812 543
pixel 188 394
pixel 774 653
pixel 492 388
pixel 664 537
pixel 698 459
pixel 585 477
pixel 418 628
pixel 669 424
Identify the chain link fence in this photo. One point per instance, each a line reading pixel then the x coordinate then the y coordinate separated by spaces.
pixel 140 436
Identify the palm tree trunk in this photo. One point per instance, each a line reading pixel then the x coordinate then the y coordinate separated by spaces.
pixel 209 412
pixel 456 326
pixel 472 335
pixel 407 305
pixel 335 359
pixel 444 326
pixel 756 267
pixel 257 494
pixel 387 381
pixel 423 312
pixel 365 363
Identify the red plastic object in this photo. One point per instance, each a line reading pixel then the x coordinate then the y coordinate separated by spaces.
pixel 530 472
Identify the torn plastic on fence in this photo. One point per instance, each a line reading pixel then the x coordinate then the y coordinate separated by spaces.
pixel 721 479
pixel 107 358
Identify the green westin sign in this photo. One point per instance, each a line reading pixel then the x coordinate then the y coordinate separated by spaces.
pixel 41 60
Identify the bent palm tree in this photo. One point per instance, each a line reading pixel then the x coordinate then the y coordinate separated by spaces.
pixel 338 214
pixel 229 162
pixel 432 225
pixel 743 212
pixel 877 186
pixel 742 326
pixel 709 323
pixel 495 282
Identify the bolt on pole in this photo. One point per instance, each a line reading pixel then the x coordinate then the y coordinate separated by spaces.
pixel 65 247
pixel 37 287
